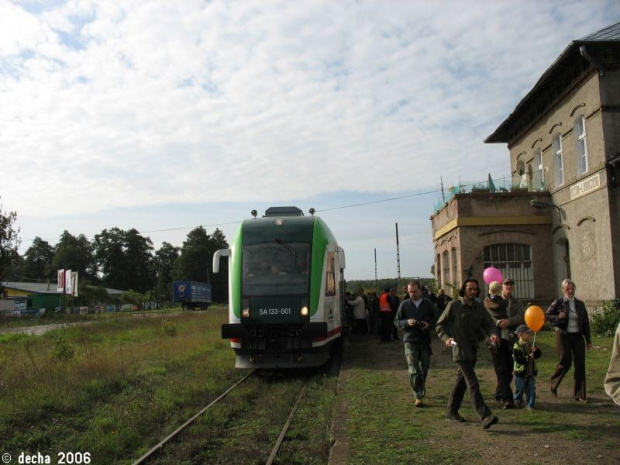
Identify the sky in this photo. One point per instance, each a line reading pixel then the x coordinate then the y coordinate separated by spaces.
pixel 163 116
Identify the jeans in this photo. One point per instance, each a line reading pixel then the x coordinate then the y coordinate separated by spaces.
pixel 418 362
pixel 527 385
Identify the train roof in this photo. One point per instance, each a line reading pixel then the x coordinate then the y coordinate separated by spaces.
pixel 285 228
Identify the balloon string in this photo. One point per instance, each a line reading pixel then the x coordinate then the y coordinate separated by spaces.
pixel 534 341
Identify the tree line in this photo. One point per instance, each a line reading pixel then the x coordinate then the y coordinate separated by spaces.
pixel 115 258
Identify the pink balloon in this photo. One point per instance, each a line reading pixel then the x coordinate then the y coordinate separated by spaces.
pixel 492 274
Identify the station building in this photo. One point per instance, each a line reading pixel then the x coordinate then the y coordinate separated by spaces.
pixel 561 216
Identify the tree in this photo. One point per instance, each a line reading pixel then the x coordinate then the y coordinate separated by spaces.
pixel 75 254
pixel 196 257
pixel 38 260
pixel 15 271
pixel 109 253
pixel 219 281
pixel 124 259
pixel 163 262
pixel 139 257
pixel 9 241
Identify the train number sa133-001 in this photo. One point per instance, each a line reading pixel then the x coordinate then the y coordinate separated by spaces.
pixel 274 311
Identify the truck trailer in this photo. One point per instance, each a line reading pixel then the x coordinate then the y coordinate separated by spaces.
pixel 192 294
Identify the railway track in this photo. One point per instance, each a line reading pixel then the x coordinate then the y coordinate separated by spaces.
pixel 279 382
pixel 151 453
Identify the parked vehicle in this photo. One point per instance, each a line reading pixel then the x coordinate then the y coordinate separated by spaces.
pixel 192 294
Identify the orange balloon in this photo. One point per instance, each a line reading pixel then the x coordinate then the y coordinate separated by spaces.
pixel 534 318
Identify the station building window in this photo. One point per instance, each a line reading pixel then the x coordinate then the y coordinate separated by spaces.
pixel 445 263
pixel 558 160
pixel 581 148
pixel 515 262
pixel 539 175
pixel 455 275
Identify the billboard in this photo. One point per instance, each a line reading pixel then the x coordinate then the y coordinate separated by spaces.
pixel 67 282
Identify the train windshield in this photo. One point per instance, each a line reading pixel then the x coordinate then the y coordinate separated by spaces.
pixel 277 268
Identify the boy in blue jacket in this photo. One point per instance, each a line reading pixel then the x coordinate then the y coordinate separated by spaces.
pixel 524 355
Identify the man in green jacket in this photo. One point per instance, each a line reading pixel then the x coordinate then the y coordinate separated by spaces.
pixel 460 326
pixel 414 317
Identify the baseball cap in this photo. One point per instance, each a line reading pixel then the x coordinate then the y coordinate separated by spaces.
pixel 523 329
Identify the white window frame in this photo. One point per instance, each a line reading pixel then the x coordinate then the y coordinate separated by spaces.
pixel 581 148
pixel 558 160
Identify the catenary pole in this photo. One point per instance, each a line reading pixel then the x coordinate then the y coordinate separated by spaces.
pixel 397 262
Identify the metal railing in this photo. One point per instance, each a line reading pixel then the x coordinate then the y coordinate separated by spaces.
pixel 533 183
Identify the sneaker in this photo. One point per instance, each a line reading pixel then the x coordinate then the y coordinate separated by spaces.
pixel 419 403
pixel 582 400
pixel 455 417
pixel 531 408
pixel 509 405
pixel 489 421
pixel 518 404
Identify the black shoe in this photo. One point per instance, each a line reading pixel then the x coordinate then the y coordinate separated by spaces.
pixel 489 421
pixel 509 405
pixel 455 417
pixel 554 392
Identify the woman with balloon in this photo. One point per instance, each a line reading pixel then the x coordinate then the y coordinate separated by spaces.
pixel 572 325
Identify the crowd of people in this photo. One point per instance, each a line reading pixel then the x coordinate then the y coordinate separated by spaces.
pixel 497 321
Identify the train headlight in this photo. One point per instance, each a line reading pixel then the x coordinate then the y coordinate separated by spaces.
pixel 304 311
pixel 246 313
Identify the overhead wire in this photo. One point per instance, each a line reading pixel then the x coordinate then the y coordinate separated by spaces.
pixel 341 207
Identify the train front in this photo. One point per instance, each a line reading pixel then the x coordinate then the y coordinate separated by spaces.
pixel 272 275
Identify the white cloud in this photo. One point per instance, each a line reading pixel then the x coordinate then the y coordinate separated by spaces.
pixel 109 105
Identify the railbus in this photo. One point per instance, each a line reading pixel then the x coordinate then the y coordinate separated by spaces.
pixel 286 290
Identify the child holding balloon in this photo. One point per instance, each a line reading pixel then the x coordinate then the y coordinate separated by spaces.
pixel 524 354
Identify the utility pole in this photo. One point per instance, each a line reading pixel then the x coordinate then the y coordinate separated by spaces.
pixel 443 195
pixel 375 268
pixel 397 262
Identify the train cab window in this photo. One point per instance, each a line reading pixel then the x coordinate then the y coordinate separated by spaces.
pixel 330 277
pixel 276 268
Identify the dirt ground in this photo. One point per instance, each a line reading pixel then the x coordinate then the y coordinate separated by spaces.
pixel 560 431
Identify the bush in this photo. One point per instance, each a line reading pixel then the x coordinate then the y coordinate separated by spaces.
pixel 62 350
pixel 168 328
pixel 605 323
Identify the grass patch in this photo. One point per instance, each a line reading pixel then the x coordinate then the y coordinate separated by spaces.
pixel 109 388
pixel 383 426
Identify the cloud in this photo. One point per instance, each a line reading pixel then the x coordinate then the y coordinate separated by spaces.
pixel 111 105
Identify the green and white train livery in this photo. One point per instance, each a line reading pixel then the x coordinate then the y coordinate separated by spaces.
pixel 286 290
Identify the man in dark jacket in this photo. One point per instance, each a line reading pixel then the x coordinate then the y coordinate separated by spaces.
pixel 502 357
pixel 460 326
pixel 414 317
